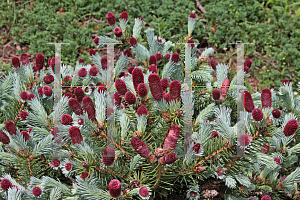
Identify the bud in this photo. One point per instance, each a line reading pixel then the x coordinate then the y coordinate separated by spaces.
pixel 93 71
pixel 257 114
pixel 15 62
pixel 137 77
pixel 244 139
pixel 142 110
pixel 130 98
pixel 215 134
pixel 248 63
pixel 168 158
pixel 216 94
pixel 75 106
pixel 266 197
pixel 75 135
pixel 81 60
pixel 140 147
pixel 276 113
pixel 155 87
pixel 118 99
pixel 144 192
pixel 104 63
pixel 118 32
pixel 36 191
pixel 111 18
pixel 213 64
pixel 68 166
pixel 24 95
pixel 5 184
pixel 32 96
pixel 132 41
pixel 69 95
pixel 291 127
pixel 10 127
pixel 152 68
pixel 127 53
pixel 26 135
pixel 108 156
pixel 82 72
pixel 158 56
pixel 277 160
pixel 168 56
pixel 190 41
pixel 89 107
pixel 285 81
pixel 266 98
pixel 196 147
pixel 66 119
pixel 4 138
pixel 152 60
pixel 225 87
pixel 80 121
pixel 24 59
pixel 175 90
pixel 124 15
pixel 175 57
pixel 193 15
pixel 84 175
pixel 92 52
pixel 48 79
pixel 142 90
pixel 121 86
pixel 55 162
pixel 219 171
pixel 172 138
pixel 248 102
pixel 39 61
pixel 130 69
pixel 114 188
pixel 265 148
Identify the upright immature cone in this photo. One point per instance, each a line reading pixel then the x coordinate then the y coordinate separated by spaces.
pixel 142 110
pixel 130 98
pixel 24 59
pixel 132 41
pixel 140 147
pixel 15 62
pixel 152 68
pixel 111 18
pixel 75 135
pixel 124 15
pixel 142 90
pixel 168 158
pixel 75 106
pixel 152 60
pixel 175 90
pixel 137 77
pixel 164 83
pixel 79 93
pixel 40 61
pixel 172 138
pixel 108 156
pixel 291 127
pixel 257 114
pixel 4 138
pixel 155 87
pixel 10 127
pixel 248 102
pixel 225 87
pixel 216 94
pixel 266 98
pixel 121 86
pixel 114 188
pixel 89 107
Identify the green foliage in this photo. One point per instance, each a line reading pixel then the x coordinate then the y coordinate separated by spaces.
pixel 268 25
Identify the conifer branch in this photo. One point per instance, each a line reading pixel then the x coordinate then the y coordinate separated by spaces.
pixel 16 118
pixel 158 177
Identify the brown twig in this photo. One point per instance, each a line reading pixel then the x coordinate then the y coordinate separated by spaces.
pixel 29 165
pixel 16 118
pixel 200 6
pixel 158 177
pixel 217 152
